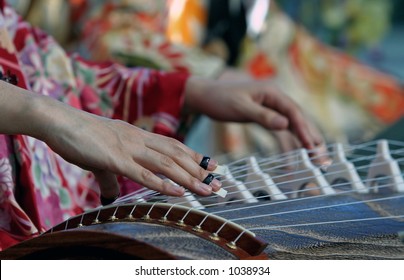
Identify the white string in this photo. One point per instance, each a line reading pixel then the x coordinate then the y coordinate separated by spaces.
pixel 151 208
pixel 138 194
pixel 266 161
pixel 295 211
pixel 130 194
pixel 186 214
pixel 302 171
pixel 356 147
pixel 116 210
pixel 244 208
pixel 67 224
pixel 299 179
pixel 317 208
pixel 131 212
pixel 289 192
pixel 328 222
pixel 81 220
pixel 365 146
pixel 98 214
pixel 238 237
pixel 168 211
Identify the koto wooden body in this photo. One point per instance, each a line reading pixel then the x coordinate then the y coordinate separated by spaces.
pixel 374 239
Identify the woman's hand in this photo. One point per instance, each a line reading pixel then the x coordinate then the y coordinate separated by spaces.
pixel 252 101
pixel 105 147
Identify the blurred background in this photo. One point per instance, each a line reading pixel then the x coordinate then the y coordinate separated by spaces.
pixel 340 60
pixel 370 30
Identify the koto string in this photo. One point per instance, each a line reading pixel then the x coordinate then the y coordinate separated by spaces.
pixel 288 173
pixel 294 154
pixel 328 222
pixel 294 173
pixel 283 201
pixel 299 210
pixel 266 161
pixel 153 193
pixel 356 147
pixel 307 178
pixel 292 192
pixel 318 208
pixel 243 208
pixel 288 193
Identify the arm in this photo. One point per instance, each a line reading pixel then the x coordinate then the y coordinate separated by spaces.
pixel 104 146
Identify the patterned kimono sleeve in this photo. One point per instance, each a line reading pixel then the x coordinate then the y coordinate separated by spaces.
pixel 147 98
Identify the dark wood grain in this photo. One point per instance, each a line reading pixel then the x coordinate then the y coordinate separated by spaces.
pixel 110 229
pixel 246 247
pixel 84 244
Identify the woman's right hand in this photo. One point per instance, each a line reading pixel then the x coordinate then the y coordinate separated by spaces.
pixel 104 146
pixel 108 147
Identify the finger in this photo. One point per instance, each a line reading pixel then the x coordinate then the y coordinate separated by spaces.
pixel 320 153
pixel 109 187
pixel 185 161
pixel 320 156
pixel 264 116
pixel 198 158
pixel 175 148
pixel 298 123
pixel 151 181
pixel 167 166
pixel 286 140
pixel 317 136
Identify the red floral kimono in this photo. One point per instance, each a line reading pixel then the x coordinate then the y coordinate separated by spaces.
pixel 38 189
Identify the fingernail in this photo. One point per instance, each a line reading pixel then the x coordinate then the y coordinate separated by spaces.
pixel 279 122
pixel 216 185
pixel 212 164
pixel 325 164
pixel 207 189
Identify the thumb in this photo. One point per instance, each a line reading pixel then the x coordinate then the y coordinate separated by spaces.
pixel 109 187
pixel 266 117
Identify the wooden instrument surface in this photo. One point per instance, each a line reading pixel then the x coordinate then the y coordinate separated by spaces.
pixel 156 226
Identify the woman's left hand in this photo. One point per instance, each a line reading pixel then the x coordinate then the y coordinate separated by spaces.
pixel 261 102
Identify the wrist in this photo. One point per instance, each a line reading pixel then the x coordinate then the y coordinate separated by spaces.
pixel 17 110
pixel 54 120
pixel 41 115
pixel 197 90
pixel 38 116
